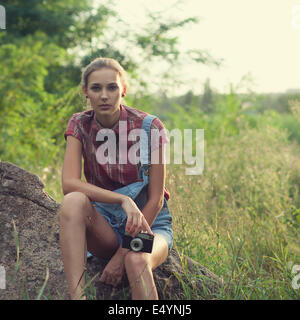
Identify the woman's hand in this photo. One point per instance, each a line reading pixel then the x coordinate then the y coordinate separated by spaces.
pixel 114 270
pixel 136 221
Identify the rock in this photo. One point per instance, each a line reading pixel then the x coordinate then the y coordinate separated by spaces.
pixel 30 252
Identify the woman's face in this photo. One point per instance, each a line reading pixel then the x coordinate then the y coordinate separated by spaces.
pixel 105 92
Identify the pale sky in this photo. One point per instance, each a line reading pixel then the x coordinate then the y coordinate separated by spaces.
pixel 260 37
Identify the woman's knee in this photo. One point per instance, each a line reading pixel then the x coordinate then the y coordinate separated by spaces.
pixel 73 204
pixel 136 261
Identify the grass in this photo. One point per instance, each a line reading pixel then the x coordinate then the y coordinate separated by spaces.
pixel 240 218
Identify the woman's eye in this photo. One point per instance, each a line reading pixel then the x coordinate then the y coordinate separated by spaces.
pixel 111 88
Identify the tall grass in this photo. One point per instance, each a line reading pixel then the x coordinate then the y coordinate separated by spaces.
pixel 241 217
pixel 238 217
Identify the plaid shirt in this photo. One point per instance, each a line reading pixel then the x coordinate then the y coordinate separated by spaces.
pixel 84 126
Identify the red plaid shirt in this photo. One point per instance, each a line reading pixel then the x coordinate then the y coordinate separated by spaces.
pixel 84 126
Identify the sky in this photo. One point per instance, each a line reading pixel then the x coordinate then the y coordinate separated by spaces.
pixel 259 39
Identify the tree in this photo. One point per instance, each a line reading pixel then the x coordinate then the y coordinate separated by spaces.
pixel 67 23
pixel 207 101
pixel 42 53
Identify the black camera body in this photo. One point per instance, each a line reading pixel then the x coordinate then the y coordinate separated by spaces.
pixel 142 242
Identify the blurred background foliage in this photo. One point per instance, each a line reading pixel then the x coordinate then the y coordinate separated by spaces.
pixel 43 50
pixel 251 175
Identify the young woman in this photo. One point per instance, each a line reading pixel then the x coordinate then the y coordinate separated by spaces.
pixel 85 224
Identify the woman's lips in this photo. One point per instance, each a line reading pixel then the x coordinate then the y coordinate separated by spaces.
pixel 105 106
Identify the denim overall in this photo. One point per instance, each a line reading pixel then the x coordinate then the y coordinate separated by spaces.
pixel 137 191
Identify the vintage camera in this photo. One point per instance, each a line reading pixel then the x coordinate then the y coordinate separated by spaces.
pixel 141 242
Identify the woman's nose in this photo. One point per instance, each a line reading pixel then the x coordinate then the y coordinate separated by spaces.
pixel 103 94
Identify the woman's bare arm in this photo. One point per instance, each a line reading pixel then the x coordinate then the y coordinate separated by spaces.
pixel 71 176
pixel 157 176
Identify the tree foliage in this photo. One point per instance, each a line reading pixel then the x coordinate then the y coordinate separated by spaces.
pixel 207 102
pixel 67 23
pixel 43 50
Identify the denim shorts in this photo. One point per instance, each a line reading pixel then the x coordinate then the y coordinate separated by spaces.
pixel 117 220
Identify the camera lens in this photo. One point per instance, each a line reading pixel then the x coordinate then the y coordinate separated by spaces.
pixel 136 244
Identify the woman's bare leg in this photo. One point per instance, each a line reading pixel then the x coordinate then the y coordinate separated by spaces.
pixel 82 226
pixel 139 267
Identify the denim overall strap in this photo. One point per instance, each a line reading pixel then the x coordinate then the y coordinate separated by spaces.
pixel 132 190
pixel 145 159
pixel 145 142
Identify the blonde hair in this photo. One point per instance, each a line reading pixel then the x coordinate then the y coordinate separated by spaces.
pixel 99 63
